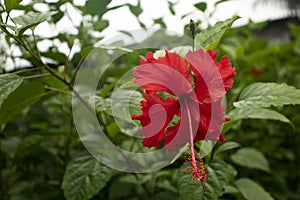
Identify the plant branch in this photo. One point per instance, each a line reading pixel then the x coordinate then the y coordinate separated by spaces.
pixel 47 67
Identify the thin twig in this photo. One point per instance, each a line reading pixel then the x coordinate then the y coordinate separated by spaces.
pixel 28 70
pixel 67 61
pixel 61 90
pixel 37 76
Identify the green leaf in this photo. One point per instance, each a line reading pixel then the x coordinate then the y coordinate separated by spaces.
pixel 260 55
pixel 229 189
pixel 84 177
pixel 102 105
pixel 128 84
pixel 136 10
pixel 230 50
pixel 161 22
pixel 126 33
pixel 31 20
pixel 259 95
pixel 220 1
pixel 219 175
pixel 165 195
pixel 8 83
pixel 114 48
pixel 142 24
pixel 58 16
pixel 11 4
pixel 227 125
pixel 96 7
pixel 14 28
pixel 181 50
pixel 30 146
pixel 251 190
pixel 227 146
pixel 256 113
pixel 52 81
pixel 22 97
pixel 251 158
pixel 101 24
pixel 171 8
pixel 210 38
pixel 55 55
pixel 9 146
pixel 201 6
pixel 123 100
pixel 113 129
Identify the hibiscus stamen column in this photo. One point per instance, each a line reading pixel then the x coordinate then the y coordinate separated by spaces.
pixel 196 171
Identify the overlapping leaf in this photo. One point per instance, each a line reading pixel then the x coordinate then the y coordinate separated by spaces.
pixel 11 4
pixel 121 106
pixel 210 38
pixel 259 95
pixel 84 177
pixel 251 190
pixel 8 83
pixel 256 113
pixel 251 158
pixel 30 20
pixel 22 97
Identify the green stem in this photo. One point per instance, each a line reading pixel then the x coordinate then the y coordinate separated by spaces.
pixel 28 70
pixel 35 43
pixel 37 76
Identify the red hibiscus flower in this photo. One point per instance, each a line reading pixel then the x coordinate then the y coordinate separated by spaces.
pixel 190 88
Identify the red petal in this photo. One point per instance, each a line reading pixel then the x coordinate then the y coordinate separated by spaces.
pixel 212 54
pixel 209 84
pixel 178 63
pixel 157 114
pixel 169 73
pixel 211 120
pixel 149 58
pixel 180 133
pixel 171 133
pixel 226 70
